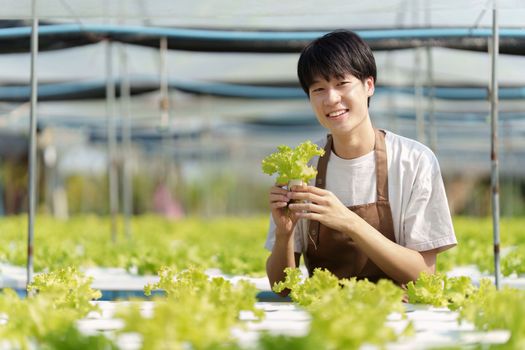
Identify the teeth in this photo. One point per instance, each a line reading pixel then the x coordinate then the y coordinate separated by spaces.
pixel 336 113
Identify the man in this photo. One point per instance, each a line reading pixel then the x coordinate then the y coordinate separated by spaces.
pixel 377 208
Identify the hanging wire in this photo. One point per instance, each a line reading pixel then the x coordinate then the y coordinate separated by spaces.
pixel 69 9
pixel 481 14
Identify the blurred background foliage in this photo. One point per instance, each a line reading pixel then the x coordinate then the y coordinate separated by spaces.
pixel 223 191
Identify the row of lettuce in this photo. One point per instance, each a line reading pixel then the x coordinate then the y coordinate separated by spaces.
pixel 198 312
pixel 234 245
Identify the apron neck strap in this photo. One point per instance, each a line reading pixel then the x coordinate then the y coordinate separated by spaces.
pixel 322 163
pixel 381 166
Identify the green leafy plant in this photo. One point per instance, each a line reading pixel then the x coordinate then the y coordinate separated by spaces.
pixel 439 290
pixel 68 288
pixel 486 307
pixel 47 319
pixel 292 163
pixel 308 291
pixel 84 241
pixel 476 245
pixel 514 262
pixel 345 313
pixel 269 341
pixel 195 305
pixel 490 309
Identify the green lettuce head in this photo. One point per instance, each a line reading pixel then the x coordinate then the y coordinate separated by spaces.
pixel 292 163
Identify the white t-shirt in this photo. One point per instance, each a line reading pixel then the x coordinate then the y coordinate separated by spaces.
pixel 416 193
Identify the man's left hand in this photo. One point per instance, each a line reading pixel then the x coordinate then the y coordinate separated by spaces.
pixel 323 206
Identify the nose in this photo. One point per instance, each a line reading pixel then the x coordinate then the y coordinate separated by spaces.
pixel 332 97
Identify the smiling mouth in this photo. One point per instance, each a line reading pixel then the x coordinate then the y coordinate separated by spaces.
pixel 337 113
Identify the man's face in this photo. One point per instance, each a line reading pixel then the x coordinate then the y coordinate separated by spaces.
pixel 340 103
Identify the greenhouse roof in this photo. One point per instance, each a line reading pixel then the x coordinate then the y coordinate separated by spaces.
pixel 236 86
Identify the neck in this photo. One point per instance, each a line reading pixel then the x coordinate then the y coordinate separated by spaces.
pixel 356 143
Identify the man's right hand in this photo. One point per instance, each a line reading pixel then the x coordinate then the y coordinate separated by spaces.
pixel 284 218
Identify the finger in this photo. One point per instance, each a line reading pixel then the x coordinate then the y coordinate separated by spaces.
pixel 309 216
pixel 278 205
pixel 301 188
pixel 278 190
pixel 318 191
pixel 310 207
pixel 279 197
pixel 307 196
pixel 312 189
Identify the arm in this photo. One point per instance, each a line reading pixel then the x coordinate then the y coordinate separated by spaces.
pixel 400 263
pixel 282 255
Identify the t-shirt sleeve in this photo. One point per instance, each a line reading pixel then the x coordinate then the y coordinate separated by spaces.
pixel 427 222
pixel 270 237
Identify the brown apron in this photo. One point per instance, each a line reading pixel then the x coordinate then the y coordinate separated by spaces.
pixel 335 251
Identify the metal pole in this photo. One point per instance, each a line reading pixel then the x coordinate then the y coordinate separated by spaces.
pixel 430 87
pixel 418 85
pixel 494 101
pixel 420 113
pixel 112 141
pixel 431 109
pixel 32 145
pixel 127 196
pixel 164 112
pixel 164 102
pixel 390 66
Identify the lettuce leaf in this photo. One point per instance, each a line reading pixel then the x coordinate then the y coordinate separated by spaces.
pixel 292 163
pixel 345 313
pixel 439 290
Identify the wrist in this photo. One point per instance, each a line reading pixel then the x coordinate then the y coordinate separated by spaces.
pixel 352 226
pixel 283 242
pixel 283 234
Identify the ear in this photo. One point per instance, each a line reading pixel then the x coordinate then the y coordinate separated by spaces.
pixel 370 86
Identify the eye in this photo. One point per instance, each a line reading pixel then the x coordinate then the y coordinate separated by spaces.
pixel 317 89
pixel 344 82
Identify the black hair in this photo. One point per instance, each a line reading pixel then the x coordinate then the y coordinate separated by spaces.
pixel 335 55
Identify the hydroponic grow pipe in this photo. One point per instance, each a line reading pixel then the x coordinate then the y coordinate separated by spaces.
pixel 95 89
pixel 266 92
pixel 250 36
pixel 266 41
